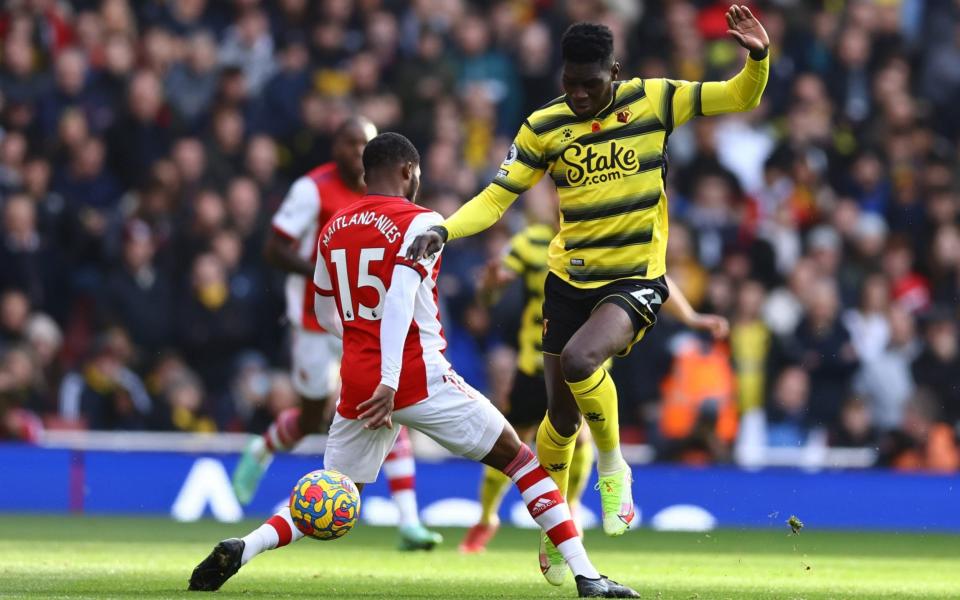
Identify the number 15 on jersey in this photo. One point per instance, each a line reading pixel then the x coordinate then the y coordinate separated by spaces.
pixel 339 258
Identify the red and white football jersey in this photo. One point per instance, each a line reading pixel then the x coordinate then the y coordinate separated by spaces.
pixel 309 204
pixel 359 248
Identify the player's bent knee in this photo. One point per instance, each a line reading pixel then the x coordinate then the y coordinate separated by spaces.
pixel 504 451
pixel 577 365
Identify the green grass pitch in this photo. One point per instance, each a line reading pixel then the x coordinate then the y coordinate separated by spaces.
pixel 72 557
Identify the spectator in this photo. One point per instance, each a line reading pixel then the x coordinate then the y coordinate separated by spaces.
pixel 104 393
pixel 142 135
pixel 18 396
pixel 87 182
pixel 788 412
pixel 823 346
pixel 45 341
pixel 14 315
pixel 867 324
pixel 183 409
pixel 246 217
pixel 856 429
pixel 27 261
pixel 698 417
pixel 923 443
pixel 190 85
pixel 751 346
pixel 884 380
pixel 71 89
pixel 138 296
pixel 213 326
pixel 280 104
pixel 937 369
pixel 248 45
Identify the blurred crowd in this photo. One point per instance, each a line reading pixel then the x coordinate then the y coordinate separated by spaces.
pixel 144 146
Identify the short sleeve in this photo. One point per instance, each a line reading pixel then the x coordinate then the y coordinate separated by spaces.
pixel 299 210
pixel 418 225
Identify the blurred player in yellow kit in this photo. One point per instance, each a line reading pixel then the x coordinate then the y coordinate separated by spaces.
pixel 526 260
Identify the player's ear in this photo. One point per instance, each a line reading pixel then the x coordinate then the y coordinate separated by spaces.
pixel 615 71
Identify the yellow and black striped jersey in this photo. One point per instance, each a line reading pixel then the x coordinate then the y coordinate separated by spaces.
pixel 609 173
pixel 528 259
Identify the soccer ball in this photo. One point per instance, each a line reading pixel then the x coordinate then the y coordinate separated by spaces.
pixel 325 505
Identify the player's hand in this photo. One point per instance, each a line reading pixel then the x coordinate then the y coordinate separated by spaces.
pixel 426 244
pixel 378 409
pixel 746 29
pixel 718 326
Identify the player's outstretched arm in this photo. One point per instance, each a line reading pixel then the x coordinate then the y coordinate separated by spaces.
pixel 676 102
pixel 744 90
pixel 522 168
pixel 482 211
pixel 679 307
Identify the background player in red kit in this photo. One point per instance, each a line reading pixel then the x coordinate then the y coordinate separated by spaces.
pixel 385 307
pixel 292 248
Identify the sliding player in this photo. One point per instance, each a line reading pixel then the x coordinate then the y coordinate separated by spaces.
pixel 385 307
pixel 604 145
pixel 291 247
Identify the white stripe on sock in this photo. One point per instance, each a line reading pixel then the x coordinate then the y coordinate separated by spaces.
pixel 553 516
pixel 576 556
pixel 533 464
pixel 539 488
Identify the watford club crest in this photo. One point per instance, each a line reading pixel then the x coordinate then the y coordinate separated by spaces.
pixel 623 116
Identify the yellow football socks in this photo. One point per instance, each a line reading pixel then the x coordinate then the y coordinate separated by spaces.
pixel 555 452
pixel 492 488
pixel 597 398
pixel 580 468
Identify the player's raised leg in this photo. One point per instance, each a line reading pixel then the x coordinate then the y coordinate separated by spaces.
pixel 228 556
pixel 608 330
pixel 400 469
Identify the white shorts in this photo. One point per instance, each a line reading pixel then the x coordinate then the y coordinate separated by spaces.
pixel 316 363
pixel 457 417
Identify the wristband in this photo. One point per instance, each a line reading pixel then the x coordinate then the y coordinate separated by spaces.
pixel 760 55
pixel 442 231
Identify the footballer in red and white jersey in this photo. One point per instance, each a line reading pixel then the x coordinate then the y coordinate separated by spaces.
pixel 358 250
pixel 309 204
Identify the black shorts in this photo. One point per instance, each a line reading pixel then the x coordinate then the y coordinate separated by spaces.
pixel 528 400
pixel 566 307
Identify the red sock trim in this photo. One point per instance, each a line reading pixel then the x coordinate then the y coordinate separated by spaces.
pixel 400 484
pixel 522 458
pixel 562 532
pixel 282 528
